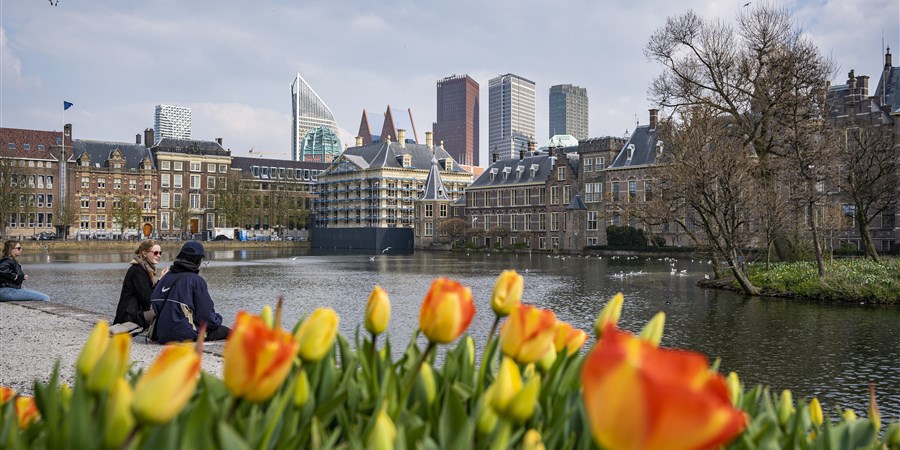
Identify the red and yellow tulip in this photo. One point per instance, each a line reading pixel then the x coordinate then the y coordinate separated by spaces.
pixel 316 334
pixel 26 411
pixel 528 333
pixel 378 311
pixel 257 358
pixel 609 314
pixel 167 385
pixel 507 292
pixel 6 394
pixel 638 396
pixel 446 311
pixel 569 338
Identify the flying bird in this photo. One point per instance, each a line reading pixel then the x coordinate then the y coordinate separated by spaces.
pixel 386 249
pixel 746 4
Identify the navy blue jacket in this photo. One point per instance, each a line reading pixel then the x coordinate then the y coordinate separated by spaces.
pixel 181 301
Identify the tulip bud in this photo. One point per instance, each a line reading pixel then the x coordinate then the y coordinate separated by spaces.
pixel 507 384
pixel 167 385
pixel 383 433
pixel 112 365
pixel 653 331
pixel 609 314
pixel 874 415
pixel 487 417
pixel 507 292
pixel 425 384
pixel 94 347
pixel 120 420
pixel 521 407
pixel 568 339
pixel 316 334
pixel 26 411
pixel 6 394
pixel 546 363
pixel 528 333
pixel 301 392
pixel 785 407
pixel 65 395
pixel 849 415
pixel 378 311
pixel 446 311
pixel 266 316
pixel 815 412
pixel 735 390
pixel 532 441
pixel 470 350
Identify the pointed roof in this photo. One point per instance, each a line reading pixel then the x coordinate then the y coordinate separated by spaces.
pixel 576 203
pixel 644 146
pixel 434 186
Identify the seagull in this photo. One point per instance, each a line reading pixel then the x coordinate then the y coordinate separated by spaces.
pixel 371 258
pixel 746 4
pixel 386 249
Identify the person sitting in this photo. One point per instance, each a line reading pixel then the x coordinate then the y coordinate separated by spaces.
pixel 133 311
pixel 12 276
pixel 182 303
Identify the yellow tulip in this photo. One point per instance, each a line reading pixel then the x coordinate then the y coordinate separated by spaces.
pixel 267 317
pixel 653 331
pixel 735 390
pixel 93 349
pixel 167 385
pixel 507 385
pixel 65 395
pixel 815 412
pixel 532 441
pixel 874 415
pixel 849 415
pixel 609 314
pixel 528 333
pixel 446 311
pixel 383 434
pixel 568 338
pixel 425 383
pixel 120 420
pixel 522 405
pixel 316 334
pixel 785 407
pixel 487 417
pixel 546 363
pixel 301 392
pixel 470 351
pixel 112 365
pixel 507 292
pixel 26 412
pixel 257 358
pixel 378 311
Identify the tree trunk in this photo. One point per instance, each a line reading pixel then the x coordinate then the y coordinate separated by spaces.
pixel 866 235
pixel 717 267
pixel 820 259
pixel 740 276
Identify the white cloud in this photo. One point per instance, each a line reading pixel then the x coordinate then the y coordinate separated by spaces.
pixel 243 127
pixel 11 75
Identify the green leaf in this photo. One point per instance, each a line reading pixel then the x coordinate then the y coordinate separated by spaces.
pixel 229 439
pixel 454 429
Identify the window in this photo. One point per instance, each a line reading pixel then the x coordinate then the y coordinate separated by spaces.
pixel 601 163
pixel 554 221
pixel 195 181
pixel 117 183
pixel 542 242
pixel 165 165
pixel 195 201
pixel 561 173
pixel 85 222
pixel 178 181
pixel 592 221
pixel 615 190
pixel 648 190
pixel 176 200
pixel 101 183
pixel 164 181
pixel 554 195
pixel 588 164
pixel 567 194
pixel 632 190
pixel 164 220
pixel 223 168
pixel 148 185
pixel 85 183
pixel 195 166
pixel 101 202
pixel 101 222
pixel 132 184
pixel 211 168
pixel 542 221
pixel 146 203
pixel 40 200
pixel 49 202
pixel 49 182
pixel 429 229
pixel 429 210
pixel 593 192
pixel 40 181
pixel 177 166
pixel 554 241
pixel 630 151
pixel 443 210
pixel 211 201
pixel 211 220
pixel 164 200
pixel 85 202
pixel 593 242
pixel 211 182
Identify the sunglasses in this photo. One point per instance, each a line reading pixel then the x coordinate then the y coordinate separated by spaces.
pixel 157 253
pixel 17 248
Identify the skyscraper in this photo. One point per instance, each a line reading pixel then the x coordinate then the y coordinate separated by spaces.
pixel 309 113
pixel 457 118
pixel 511 113
pixel 171 122
pixel 569 111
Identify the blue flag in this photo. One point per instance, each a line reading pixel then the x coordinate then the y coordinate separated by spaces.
pixel 66 105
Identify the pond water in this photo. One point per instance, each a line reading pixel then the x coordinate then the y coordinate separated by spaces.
pixel 829 350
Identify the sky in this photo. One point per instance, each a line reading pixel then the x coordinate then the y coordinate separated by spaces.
pixel 233 63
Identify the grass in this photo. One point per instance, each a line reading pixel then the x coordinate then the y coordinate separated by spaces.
pixel 847 280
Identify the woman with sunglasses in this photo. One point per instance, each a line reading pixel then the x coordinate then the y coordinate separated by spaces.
pixel 134 301
pixel 12 276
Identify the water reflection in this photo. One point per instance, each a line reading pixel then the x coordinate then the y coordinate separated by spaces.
pixel 832 351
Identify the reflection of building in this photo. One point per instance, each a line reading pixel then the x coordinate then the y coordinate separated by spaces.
pixel 458 118
pixel 321 144
pixel 367 197
pixel 569 111
pixel 309 112
pixel 390 124
pixel 109 178
pixel 511 122
pixel 171 122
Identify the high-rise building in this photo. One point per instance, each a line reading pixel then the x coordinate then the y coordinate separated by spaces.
pixel 569 111
pixel 457 118
pixel 511 123
pixel 309 113
pixel 171 122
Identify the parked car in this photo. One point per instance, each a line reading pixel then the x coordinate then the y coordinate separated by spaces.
pixel 222 237
pixel 44 236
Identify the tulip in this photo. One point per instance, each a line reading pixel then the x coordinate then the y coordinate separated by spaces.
pixel 528 333
pixel 637 395
pixel 446 311
pixel 546 363
pixel 609 314
pixel 470 351
pixel 301 392
pixel 112 365
pixel 507 292
pixel 849 416
pixel 93 349
pixel 532 441
pixel 487 417
pixel 26 411
pixel 378 311
pixel 569 338
pixel 383 434
pixel 267 317
pixel 735 390
pixel 120 420
pixel 6 394
pixel 167 385
pixel 425 383
pixel 316 334
pixel 892 435
pixel 507 384
pixel 815 411
pixel 874 415
pixel 257 358
pixel 785 407
pixel 522 406
pixel 65 395
pixel 653 331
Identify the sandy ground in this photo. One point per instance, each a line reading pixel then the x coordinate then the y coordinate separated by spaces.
pixel 34 335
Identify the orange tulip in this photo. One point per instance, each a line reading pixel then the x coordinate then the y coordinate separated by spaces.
pixel 638 396
pixel 6 394
pixel 528 333
pixel 316 334
pixel 26 412
pixel 507 292
pixel 378 311
pixel 447 311
pixel 569 338
pixel 167 385
pixel 257 358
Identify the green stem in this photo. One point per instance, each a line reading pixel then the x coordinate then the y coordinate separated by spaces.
pixel 373 358
pixel 486 357
pixel 494 327
pixel 131 437
pixel 501 441
pixel 415 372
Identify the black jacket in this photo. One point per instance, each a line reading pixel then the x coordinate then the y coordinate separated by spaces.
pixel 135 297
pixel 11 273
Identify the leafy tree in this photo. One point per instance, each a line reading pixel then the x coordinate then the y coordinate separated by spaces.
pixel 625 236
pixel 234 199
pixel 127 211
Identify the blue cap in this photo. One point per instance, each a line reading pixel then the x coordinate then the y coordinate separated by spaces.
pixel 193 248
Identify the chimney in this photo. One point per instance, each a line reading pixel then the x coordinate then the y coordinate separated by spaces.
pixel 653 118
pixel 137 139
pixel 532 146
pixel 429 139
pixel 148 137
pixel 494 157
pixel 401 137
pixel 67 131
pixel 387 139
pixel 521 154
pixel 851 80
pixel 219 141
pixel 359 141
pixel 862 82
pixel 887 60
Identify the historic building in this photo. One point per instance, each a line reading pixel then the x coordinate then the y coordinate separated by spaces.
pixel 511 115
pixel 595 154
pixel 457 125
pixel 568 111
pixel 432 209
pixel 313 126
pixel 366 198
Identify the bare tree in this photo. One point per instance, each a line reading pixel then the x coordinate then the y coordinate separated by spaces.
pixel 68 216
pixel 234 199
pixel 127 211
pixel 14 192
pixel 455 229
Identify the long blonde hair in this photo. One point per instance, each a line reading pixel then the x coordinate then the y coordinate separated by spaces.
pixel 146 245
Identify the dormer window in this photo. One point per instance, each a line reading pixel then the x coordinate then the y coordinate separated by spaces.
pixel 630 150
pixel 493 173
pixel 407 160
pixel 659 148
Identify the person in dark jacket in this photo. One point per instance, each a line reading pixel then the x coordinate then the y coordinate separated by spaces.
pixel 182 303
pixel 134 301
pixel 12 276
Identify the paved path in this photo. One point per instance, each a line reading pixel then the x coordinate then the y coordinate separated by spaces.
pixel 34 335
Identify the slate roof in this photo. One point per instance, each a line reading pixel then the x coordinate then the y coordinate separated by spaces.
pixel 890 80
pixel 645 142
pixel 244 163
pixel 387 155
pixel 534 169
pixel 100 152
pixel 34 139
pixel 576 203
pixel 190 146
pixel 434 186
